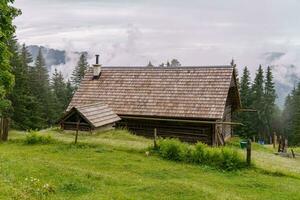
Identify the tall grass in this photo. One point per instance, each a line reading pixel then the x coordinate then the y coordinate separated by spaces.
pixel 224 158
pixel 34 137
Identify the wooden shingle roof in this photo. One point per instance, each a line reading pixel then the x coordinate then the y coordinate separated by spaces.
pixel 97 114
pixel 181 92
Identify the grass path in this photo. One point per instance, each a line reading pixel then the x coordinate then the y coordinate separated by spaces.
pixel 115 167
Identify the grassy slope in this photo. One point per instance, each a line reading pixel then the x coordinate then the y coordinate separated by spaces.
pixel 115 167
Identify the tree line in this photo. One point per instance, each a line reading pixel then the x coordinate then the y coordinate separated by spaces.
pixel 290 120
pixel 38 101
pixel 259 112
pixel 262 117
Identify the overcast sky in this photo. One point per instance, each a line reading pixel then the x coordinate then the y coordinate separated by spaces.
pixel 197 32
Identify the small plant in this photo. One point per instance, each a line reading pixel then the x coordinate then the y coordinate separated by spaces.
pixel 73 187
pixel 200 152
pixel 230 159
pixel 173 149
pixel 223 158
pixel 34 187
pixel 34 137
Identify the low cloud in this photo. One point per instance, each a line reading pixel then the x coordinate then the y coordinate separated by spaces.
pixel 194 32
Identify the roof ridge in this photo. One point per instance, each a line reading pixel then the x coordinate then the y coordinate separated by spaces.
pixel 168 68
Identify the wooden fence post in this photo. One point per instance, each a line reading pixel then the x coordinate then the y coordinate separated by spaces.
pixel 1 128
pixel 279 144
pixel 293 153
pixel 248 152
pixel 5 127
pixel 285 145
pixel 274 140
pixel 77 129
pixel 155 138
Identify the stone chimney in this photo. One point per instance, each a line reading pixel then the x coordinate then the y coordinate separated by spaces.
pixel 97 68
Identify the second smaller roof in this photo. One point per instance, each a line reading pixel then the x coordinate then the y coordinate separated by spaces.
pixel 98 114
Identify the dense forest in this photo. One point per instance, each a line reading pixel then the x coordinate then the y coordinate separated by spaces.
pixel 260 116
pixel 33 99
pixel 38 101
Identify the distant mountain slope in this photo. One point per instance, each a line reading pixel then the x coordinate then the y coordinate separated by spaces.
pixel 52 56
pixel 285 71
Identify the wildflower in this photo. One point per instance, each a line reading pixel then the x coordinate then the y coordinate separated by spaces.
pixel 147 153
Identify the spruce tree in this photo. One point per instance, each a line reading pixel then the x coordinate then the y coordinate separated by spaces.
pixel 257 101
pixel 269 100
pixel 232 64
pixel 59 89
pixel 79 70
pixel 288 115
pixel 40 88
pixel 294 135
pixel 245 95
pixel 245 89
pixel 69 92
pixel 175 63
pixel 25 106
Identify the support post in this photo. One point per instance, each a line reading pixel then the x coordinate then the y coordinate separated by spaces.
pixel 155 138
pixel 248 152
pixel 279 143
pixel 5 127
pixel 285 145
pixel 293 153
pixel 1 127
pixel 77 129
pixel 274 140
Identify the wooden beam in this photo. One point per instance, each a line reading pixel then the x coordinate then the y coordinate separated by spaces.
pixel 155 138
pixel 181 120
pixel 247 110
pixel 248 152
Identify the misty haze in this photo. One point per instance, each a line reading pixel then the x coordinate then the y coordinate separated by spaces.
pixel 149 99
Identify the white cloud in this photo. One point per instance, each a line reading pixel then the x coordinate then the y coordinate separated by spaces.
pixel 196 32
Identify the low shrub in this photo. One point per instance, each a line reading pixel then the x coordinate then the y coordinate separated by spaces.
pixel 231 159
pixel 173 149
pixel 199 155
pixel 73 187
pixel 223 158
pixel 35 138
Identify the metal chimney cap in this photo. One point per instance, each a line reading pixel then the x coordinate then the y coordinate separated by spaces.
pixel 97 59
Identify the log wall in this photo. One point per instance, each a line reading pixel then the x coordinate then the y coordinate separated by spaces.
pixel 185 131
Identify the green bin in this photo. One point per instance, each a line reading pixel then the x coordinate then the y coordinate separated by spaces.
pixel 243 144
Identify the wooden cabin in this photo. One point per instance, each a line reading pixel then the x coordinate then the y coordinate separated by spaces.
pixel 189 103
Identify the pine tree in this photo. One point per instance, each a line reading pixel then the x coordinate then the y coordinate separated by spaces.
pixel 79 70
pixel 24 114
pixel 59 89
pixel 168 64
pixel 175 63
pixel 245 89
pixel 245 117
pixel 269 100
pixel 232 64
pixel 150 64
pixel 69 92
pixel 41 90
pixel 293 129
pixel 288 114
pixel 257 100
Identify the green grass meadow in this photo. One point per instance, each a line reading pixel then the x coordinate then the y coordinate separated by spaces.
pixel 113 165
